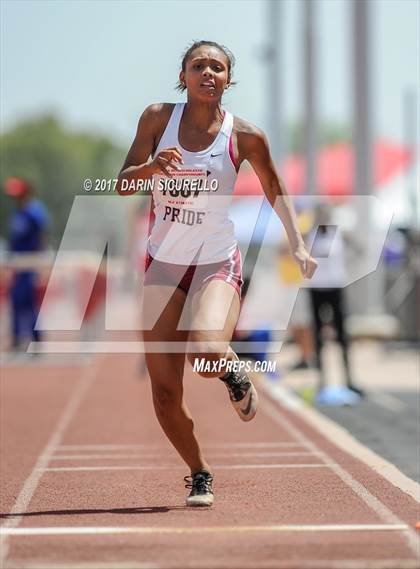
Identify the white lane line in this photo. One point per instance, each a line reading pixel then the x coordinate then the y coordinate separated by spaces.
pixel 110 447
pixel 172 467
pixel 266 564
pixel 24 564
pixel 159 455
pixel 384 513
pixel 106 448
pixel 213 529
pixel 31 483
pixel 31 564
pixel 344 440
pixel 108 456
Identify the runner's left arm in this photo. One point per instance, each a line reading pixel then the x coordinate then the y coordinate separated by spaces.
pixel 253 146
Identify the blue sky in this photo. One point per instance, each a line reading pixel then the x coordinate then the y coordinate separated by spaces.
pixel 99 63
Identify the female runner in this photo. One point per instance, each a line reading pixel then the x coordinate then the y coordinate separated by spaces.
pixel 193 151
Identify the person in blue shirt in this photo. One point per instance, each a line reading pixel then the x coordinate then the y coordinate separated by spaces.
pixel 27 234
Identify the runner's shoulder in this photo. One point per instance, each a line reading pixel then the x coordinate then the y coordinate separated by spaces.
pixel 250 138
pixel 156 115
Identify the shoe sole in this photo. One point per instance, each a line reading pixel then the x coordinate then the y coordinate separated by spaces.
pixel 248 406
pixel 200 501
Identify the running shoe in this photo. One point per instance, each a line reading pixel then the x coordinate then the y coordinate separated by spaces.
pixel 201 489
pixel 242 393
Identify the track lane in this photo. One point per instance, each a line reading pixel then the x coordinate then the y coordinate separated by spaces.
pixel 116 417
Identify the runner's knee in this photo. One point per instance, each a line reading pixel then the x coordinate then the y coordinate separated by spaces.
pixel 210 350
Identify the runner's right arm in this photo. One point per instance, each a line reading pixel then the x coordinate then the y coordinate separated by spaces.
pixel 137 165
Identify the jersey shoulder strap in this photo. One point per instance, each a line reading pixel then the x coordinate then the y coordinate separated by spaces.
pixel 170 134
pixel 227 125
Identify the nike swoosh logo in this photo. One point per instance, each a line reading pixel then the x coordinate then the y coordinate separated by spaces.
pixel 248 407
pixel 219 154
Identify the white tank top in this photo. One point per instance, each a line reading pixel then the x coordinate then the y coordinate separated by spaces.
pixel 192 223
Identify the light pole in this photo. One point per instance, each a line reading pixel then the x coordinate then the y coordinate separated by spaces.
pixel 274 87
pixel 310 103
pixel 371 288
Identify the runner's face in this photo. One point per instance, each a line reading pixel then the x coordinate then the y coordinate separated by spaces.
pixel 206 74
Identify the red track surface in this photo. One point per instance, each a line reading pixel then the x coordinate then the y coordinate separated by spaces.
pixel 292 477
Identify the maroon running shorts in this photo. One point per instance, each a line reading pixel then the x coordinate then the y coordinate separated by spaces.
pixel 192 277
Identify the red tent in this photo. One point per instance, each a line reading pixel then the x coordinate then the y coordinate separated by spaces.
pixel 335 170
